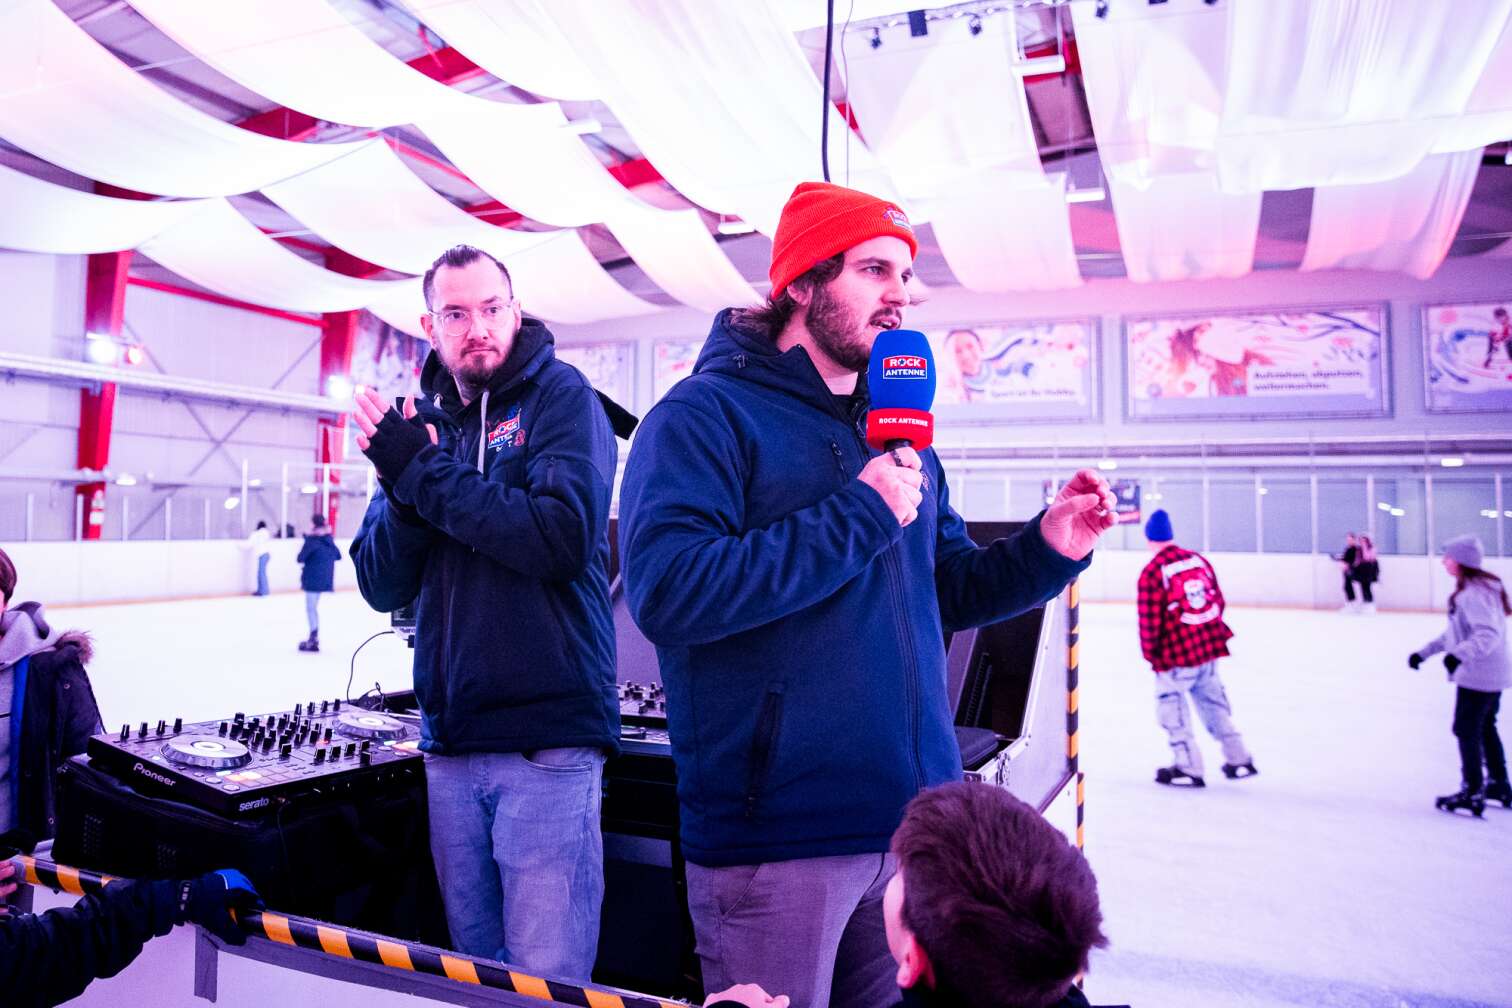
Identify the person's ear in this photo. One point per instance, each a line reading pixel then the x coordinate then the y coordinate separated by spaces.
pixel 800 292
pixel 425 324
pixel 913 967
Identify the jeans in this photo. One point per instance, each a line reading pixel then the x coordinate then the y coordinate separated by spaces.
pixel 519 855
pixel 811 929
pixel 262 575
pixel 312 611
pixel 1475 730
pixel 1201 682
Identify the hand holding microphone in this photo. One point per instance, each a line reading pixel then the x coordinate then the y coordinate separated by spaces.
pixel 900 379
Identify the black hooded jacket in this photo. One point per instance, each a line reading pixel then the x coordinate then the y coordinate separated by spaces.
pixel 501 533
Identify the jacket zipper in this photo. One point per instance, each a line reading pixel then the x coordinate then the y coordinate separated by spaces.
pixel 763 746
pixel 839 462
pixel 894 568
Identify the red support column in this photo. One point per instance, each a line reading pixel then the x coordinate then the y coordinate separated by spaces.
pixel 338 340
pixel 104 312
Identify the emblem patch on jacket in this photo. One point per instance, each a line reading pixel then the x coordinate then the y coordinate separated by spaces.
pixel 507 431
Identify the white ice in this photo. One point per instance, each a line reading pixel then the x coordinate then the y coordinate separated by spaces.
pixel 1329 879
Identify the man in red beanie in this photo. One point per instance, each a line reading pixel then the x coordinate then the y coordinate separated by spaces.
pixel 798 588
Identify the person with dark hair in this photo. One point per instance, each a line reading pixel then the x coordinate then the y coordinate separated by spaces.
pixel 47 959
pixel 317 559
pixel 493 512
pixel 1365 572
pixel 798 586
pixel 990 907
pixel 1182 636
pixel 47 708
pixel 1479 663
pixel 1347 560
pixel 1499 337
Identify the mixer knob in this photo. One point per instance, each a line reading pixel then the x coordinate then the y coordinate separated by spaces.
pixel 142 731
pixel 367 745
pixel 328 733
pixel 239 717
pixel 178 725
pixel 325 705
pixel 366 759
pixel 336 704
pixel 320 755
pixel 267 742
pixel 285 751
pixel 224 727
pixel 351 749
pixel 125 732
pixel 162 726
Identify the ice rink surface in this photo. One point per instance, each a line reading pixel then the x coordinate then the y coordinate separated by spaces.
pixel 1328 880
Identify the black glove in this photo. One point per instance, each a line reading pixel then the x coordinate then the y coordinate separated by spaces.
pixel 395 444
pixel 1451 663
pixel 1414 660
pixel 211 900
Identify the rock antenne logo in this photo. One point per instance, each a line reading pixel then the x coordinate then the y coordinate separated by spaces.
pixel 905 366
pixel 897 218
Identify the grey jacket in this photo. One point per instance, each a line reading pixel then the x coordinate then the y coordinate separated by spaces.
pixel 1477 636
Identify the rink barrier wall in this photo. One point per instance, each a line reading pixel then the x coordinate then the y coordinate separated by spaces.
pixel 74 573
pixel 344 943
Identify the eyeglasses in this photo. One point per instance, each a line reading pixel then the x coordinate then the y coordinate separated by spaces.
pixel 457 321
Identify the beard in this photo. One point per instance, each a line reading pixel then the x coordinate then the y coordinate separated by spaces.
pixel 475 370
pixel 836 330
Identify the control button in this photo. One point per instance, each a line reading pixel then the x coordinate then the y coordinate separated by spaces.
pixel 142 731
pixel 320 755
pixel 285 751
pixel 178 725
pixel 325 705
pixel 366 759
pixel 336 704
pixel 224 727
pixel 125 732
pixel 298 710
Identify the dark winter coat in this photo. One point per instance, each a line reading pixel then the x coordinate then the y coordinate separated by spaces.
pixel 800 629
pixel 46 959
pixel 318 555
pixel 53 713
pixel 501 532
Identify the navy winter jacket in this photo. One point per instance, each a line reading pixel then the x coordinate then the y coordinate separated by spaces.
pixel 318 556
pixel 501 531
pixel 799 628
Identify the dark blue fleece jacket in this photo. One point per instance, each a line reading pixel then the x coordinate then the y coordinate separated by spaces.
pixel 799 628
pixel 501 531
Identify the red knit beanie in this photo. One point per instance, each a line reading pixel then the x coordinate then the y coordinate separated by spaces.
pixel 821 219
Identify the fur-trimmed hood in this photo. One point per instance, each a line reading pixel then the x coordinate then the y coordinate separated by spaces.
pixel 24 631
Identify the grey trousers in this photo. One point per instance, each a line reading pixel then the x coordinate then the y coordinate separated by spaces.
pixel 1202 684
pixel 811 929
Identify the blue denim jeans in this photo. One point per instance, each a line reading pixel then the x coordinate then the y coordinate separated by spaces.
pixel 312 610
pixel 1202 684
pixel 519 855
pixel 262 574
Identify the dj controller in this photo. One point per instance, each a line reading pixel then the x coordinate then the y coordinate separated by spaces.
pixel 247 766
pixel 643 717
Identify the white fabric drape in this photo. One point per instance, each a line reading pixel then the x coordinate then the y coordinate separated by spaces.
pixel 1487 117
pixel 1350 91
pixel 719 97
pixel 374 207
pixel 970 163
pixel 1154 78
pixel 40 216
pixel 216 247
pixel 1182 227
pixel 1404 225
pixel 65 98
pixel 521 36
pixel 306 55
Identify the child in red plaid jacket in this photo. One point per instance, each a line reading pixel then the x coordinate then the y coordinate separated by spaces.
pixel 1182 635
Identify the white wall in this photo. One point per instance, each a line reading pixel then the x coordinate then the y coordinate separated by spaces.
pixel 1294 580
pixel 169 438
pixel 70 573
pixel 1465 279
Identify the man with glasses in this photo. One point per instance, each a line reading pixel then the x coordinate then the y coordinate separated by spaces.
pixel 493 512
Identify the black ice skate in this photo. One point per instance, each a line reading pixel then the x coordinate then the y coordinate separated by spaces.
pixel 313 644
pixel 1177 777
pixel 1239 771
pixel 1464 799
pixel 1499 790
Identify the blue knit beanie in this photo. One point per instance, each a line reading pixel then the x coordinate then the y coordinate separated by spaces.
pixel 1158 528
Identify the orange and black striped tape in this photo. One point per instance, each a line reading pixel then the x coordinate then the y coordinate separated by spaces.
pixel 336 941
pixel 1073 704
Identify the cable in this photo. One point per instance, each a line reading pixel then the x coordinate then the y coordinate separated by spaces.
pixel 352 668
pixel 829 43
pixel 850 108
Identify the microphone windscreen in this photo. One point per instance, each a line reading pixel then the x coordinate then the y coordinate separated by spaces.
pixel 901 373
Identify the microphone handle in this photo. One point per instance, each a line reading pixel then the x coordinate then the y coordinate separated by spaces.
pixel 893 444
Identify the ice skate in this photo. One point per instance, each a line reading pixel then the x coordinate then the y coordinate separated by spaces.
pixel 1499 791
pixel 311 644
pixel 1239 771
pixel 1177 777
pixel 1464 799
pixel 1367 609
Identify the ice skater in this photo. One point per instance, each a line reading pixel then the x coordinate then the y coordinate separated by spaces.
pixel 1476 656
pixel 318 557
pixel 1182 635
pixel 1365 573
pixel 257 545
pixel 1347 561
